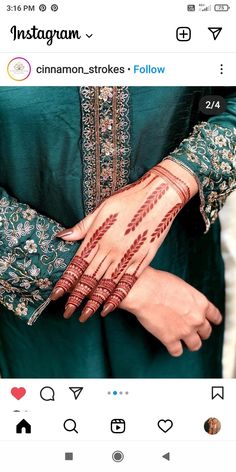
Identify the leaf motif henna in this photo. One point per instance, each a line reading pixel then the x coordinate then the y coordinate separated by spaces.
pixel 99 233
pixel 134 248
pixel 178 185
pixel 137 182
pixel 147 206
pixel 170 215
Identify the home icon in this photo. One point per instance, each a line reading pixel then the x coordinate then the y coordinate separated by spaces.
pixel 23 427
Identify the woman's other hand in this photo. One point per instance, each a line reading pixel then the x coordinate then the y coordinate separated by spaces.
pixel 171 310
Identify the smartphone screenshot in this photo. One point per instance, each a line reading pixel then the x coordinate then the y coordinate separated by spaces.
pixel 117 236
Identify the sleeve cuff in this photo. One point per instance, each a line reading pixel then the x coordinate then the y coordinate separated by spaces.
pixel 209 153
pixel 31 258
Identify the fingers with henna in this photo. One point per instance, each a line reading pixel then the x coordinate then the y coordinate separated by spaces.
pixel 85 286
pixel 121 291
pixel 82 259
pixel 107 285
pixel 73 272
pixel 104 288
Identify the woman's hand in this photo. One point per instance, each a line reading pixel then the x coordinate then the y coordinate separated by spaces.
pixel 171 310
pixel 121 238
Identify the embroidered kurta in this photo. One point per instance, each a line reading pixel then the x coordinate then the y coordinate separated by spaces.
pixel 62 151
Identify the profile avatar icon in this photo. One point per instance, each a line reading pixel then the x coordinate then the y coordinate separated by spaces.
pixel 19 66
pixel 212 426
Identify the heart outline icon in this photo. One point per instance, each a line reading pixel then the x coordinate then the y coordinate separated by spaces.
pixel 165 425
pixel 18 392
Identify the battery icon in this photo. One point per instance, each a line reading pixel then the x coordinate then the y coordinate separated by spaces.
pixel 221 7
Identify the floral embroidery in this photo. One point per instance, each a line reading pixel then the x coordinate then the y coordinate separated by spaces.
pixel 211 150
pixel 31 258
pixel 106 142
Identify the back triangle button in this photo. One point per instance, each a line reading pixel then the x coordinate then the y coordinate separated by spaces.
pixel 167 456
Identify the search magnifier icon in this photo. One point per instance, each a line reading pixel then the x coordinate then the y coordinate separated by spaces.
pixel 70 425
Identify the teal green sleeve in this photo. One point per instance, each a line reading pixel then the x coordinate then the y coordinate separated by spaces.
pixel 31 258
pixel 209 153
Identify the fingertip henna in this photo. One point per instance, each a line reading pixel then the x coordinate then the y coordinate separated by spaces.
pixel 71 275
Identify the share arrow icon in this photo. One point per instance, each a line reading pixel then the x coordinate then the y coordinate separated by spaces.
pixel 76 391
pixel 215 32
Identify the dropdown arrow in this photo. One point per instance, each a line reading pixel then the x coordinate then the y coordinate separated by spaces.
pixel 89 35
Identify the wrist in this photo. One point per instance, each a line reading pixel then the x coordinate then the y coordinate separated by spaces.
pixel 178 171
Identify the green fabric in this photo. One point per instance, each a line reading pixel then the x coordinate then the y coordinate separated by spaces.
pixel 32 259
pixel 41 164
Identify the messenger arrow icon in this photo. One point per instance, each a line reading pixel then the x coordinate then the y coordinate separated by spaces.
pixel 76 391
pixel 215 32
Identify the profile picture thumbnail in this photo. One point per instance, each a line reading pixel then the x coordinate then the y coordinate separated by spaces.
pixel 212 426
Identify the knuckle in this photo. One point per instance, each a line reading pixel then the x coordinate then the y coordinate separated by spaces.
pixel 203 303
pixel 80 225
pixel 186 331
pixel 200 319
pixel 168 339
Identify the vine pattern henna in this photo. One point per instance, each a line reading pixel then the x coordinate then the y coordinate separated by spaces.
pixel 99 233
pixel 179 185
pixel 142 179
pixel 133 249
pixel 170 215
pixel 147 206
pixel 107 286
pixel 121 291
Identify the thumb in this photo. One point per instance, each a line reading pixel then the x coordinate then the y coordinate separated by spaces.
pixel 78 231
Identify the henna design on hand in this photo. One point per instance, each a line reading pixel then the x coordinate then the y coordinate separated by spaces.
pixel 99 233
pixel 78 265
pixel 179 185
pixel 86 284
pixel 170 215
pixel 104 288
pixel 121 291
pixel 74 270
pixel 107 286
pixel 133 249
pixel 146 207
pixel 134 184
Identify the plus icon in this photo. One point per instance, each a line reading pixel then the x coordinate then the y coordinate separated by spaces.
pixel 183 33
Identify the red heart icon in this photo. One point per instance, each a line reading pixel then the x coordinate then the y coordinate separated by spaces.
pixel 18 393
